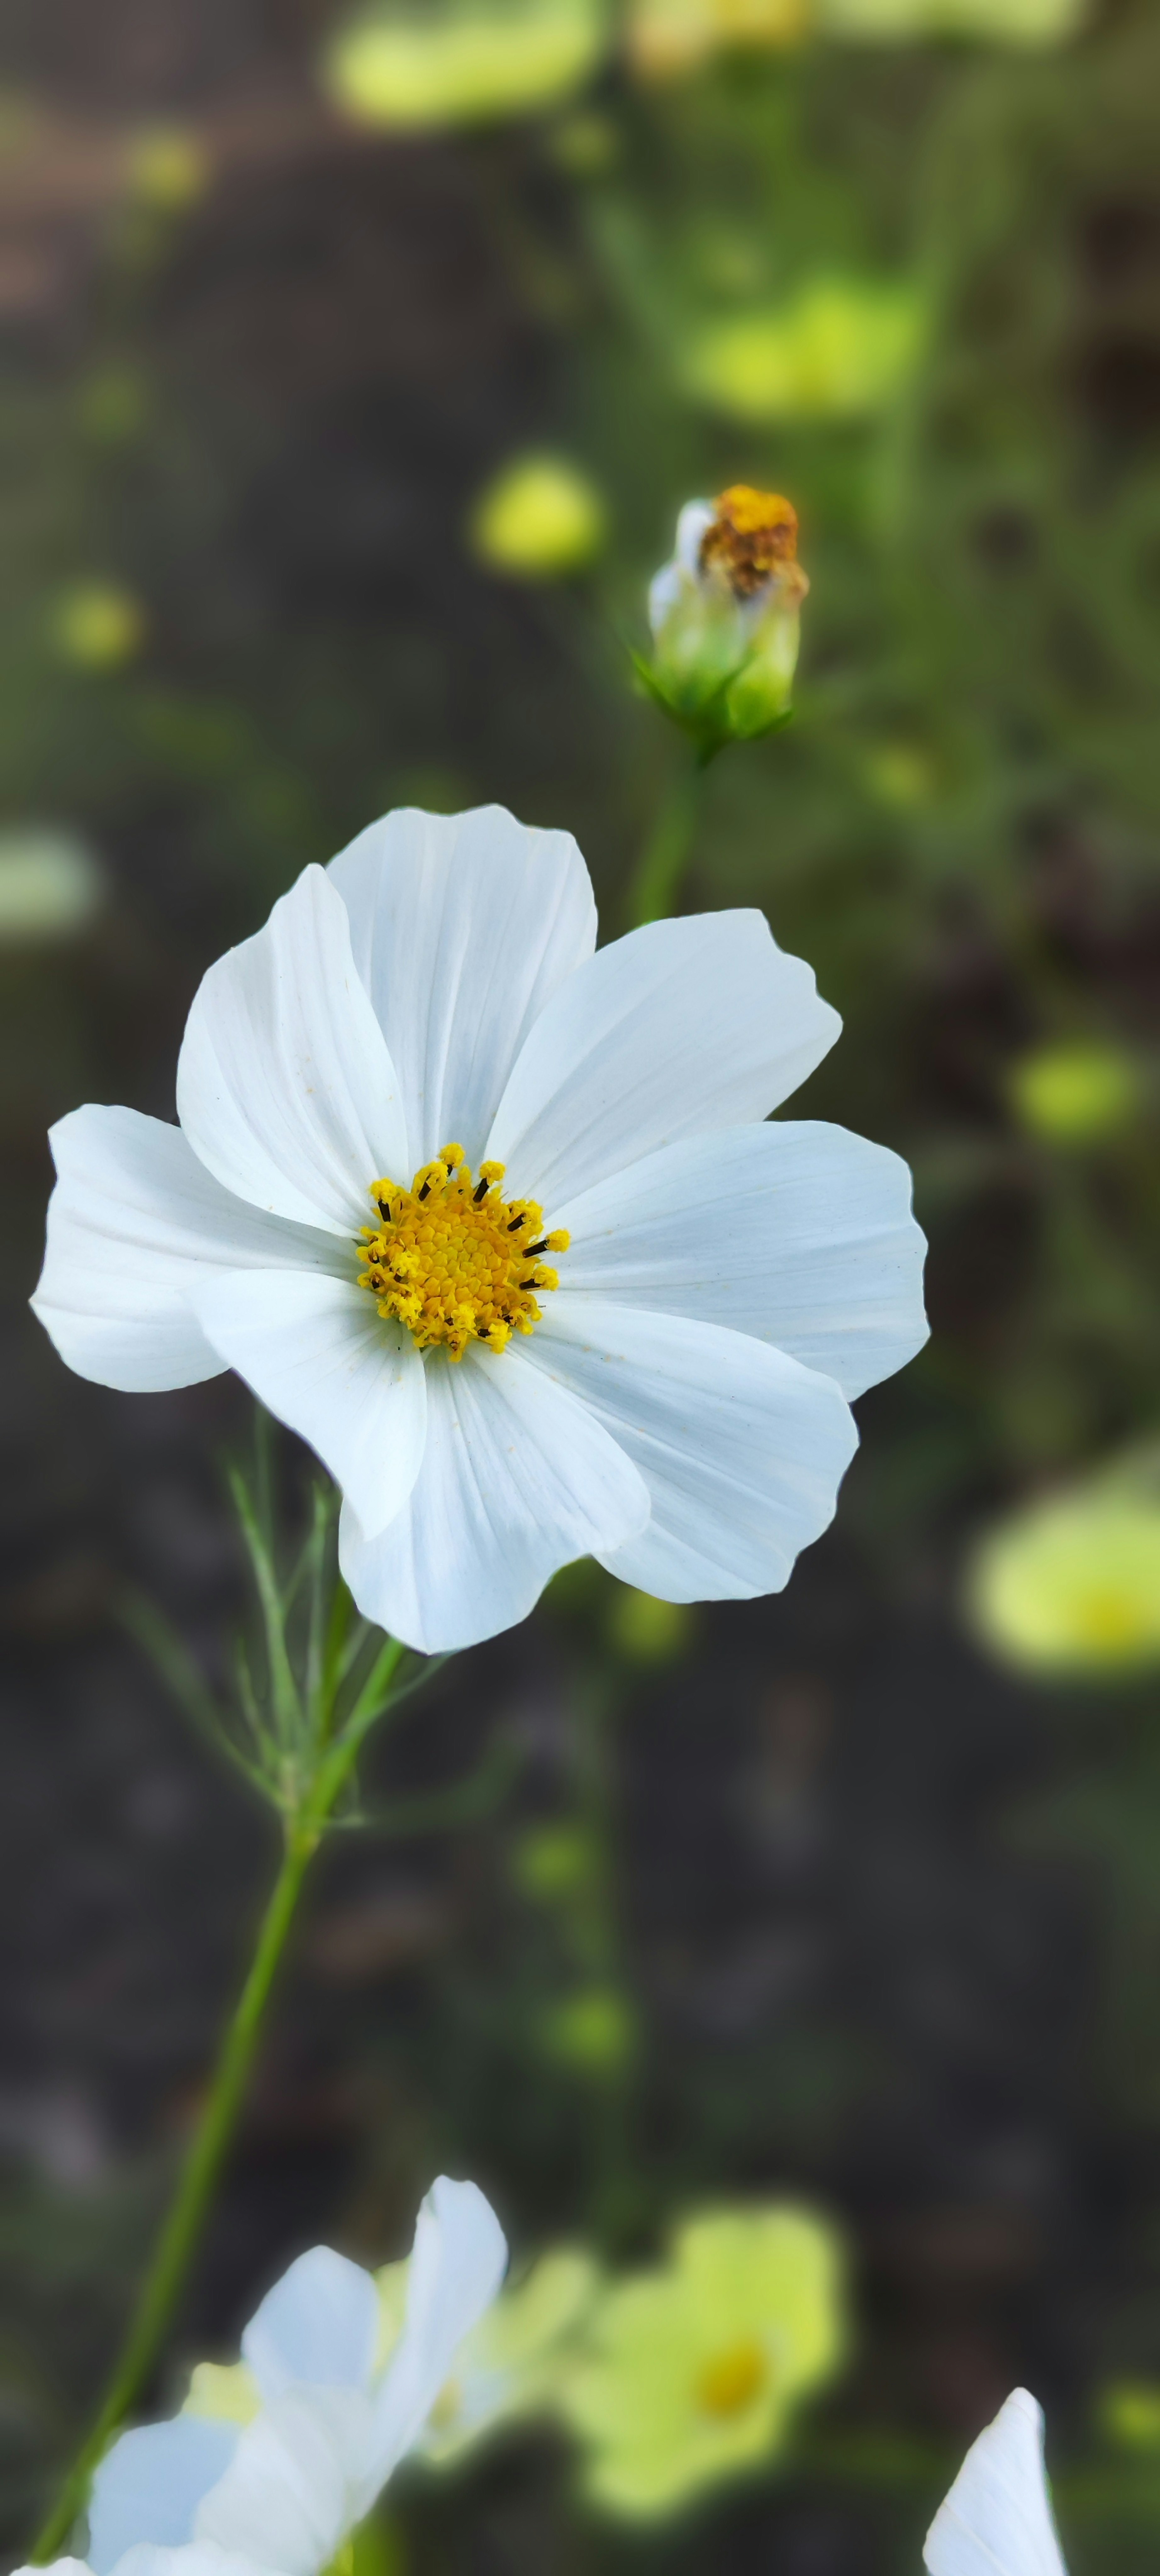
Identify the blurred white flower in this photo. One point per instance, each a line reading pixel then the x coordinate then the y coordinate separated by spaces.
pixel 996 2521
pixel 283 2490
pixel 513 2362
pixel 51 886
pixel 677 1404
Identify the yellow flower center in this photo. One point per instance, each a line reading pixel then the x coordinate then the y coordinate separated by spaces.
pixel 752 536
pixel 730 2382
pixel 1111 1620
pixel 453 1259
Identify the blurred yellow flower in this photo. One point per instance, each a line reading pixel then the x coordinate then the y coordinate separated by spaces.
pixel 592 2031
pixel 1075 1093
pixel 451 62
pixel 648 1631
pixel 167 168
pixel 1070 1586
pixel 840 348
pixel 1129 2413
pixel 540 519
pixel 1000 22
pixel 97 626
pixel 513 2362
pixel 691 2371
pixel 50 886
pixel 669 36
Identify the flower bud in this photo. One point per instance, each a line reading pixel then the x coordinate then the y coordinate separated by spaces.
pixel 725 616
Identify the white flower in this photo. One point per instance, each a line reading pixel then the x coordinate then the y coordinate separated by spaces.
pixel 996 2521
pixel 677 1405
pixel 513 2362
pixel 283 2490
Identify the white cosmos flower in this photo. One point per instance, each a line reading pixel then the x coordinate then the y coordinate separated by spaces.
pixel 996 2521
pixel 677 1405
pixel 283 2490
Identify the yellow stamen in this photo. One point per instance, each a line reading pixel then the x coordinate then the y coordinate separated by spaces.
pixel 730 2382
pixel 453 1260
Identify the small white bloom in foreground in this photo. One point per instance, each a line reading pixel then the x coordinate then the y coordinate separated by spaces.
pixel 996 2521
pixel 283 2490
pixel 408 1089
pixel 513 2363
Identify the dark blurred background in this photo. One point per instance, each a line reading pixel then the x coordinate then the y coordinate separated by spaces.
pixel 880 1922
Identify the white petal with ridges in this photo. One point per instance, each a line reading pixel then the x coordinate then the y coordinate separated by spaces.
pixel 290 2494
pixel 135 1222
pixel 518 1478
pixel 797 1232
pixel 996 2520
pixel 320 2323
pixel 679 1028
pixel 320 1356
pixel 742 1449
pixel 285 1087
pixel 458 2262
pixel 149 2485
pixel 462 927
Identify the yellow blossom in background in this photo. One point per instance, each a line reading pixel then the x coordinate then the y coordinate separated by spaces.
pixel 539 519
pixel 648 1631
pixel 671 36
pixel 593 2032
pixel 167 169
pixel 1129 2414
pixel 50 886
pixel 1075 1093
pixel 838 349
pixel 692 2371
pixel 1070 1587
pixel 451 62
pixel 512 2365
pixel 999 22
pixel 97 626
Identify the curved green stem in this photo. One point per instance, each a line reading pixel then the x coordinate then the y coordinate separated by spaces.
pixel 182 2229
pixel 656 879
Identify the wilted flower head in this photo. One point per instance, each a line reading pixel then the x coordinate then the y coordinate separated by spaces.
pixel 497 1225
pixel 1069 1587
pixel 996 2520
pixel 273 2472
pixel 725 616
pixel 693 2370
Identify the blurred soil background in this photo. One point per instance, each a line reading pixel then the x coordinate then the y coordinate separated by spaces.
pixel 870 1920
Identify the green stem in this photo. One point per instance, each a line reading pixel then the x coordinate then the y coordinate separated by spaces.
pixel 179 2236
pixel 656 878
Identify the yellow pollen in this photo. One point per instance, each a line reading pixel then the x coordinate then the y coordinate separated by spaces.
pixel 752 536
pixel 730 2382
pixel 453 1259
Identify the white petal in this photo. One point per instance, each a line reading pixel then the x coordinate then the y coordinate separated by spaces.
pixel 517 1479
pixel 996 2521
pixel 318 1353
pixel 462 926
pixel 681 1027
pixel 133 1222
pixel 320 2323
pixel 289 2496
pixel 56 2567
pixel 458 2262
pixel 693 523
pixel 800 1233
pixel 284 1085
pixel 741 1448
pixel 191 2561
pixel 149 2486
